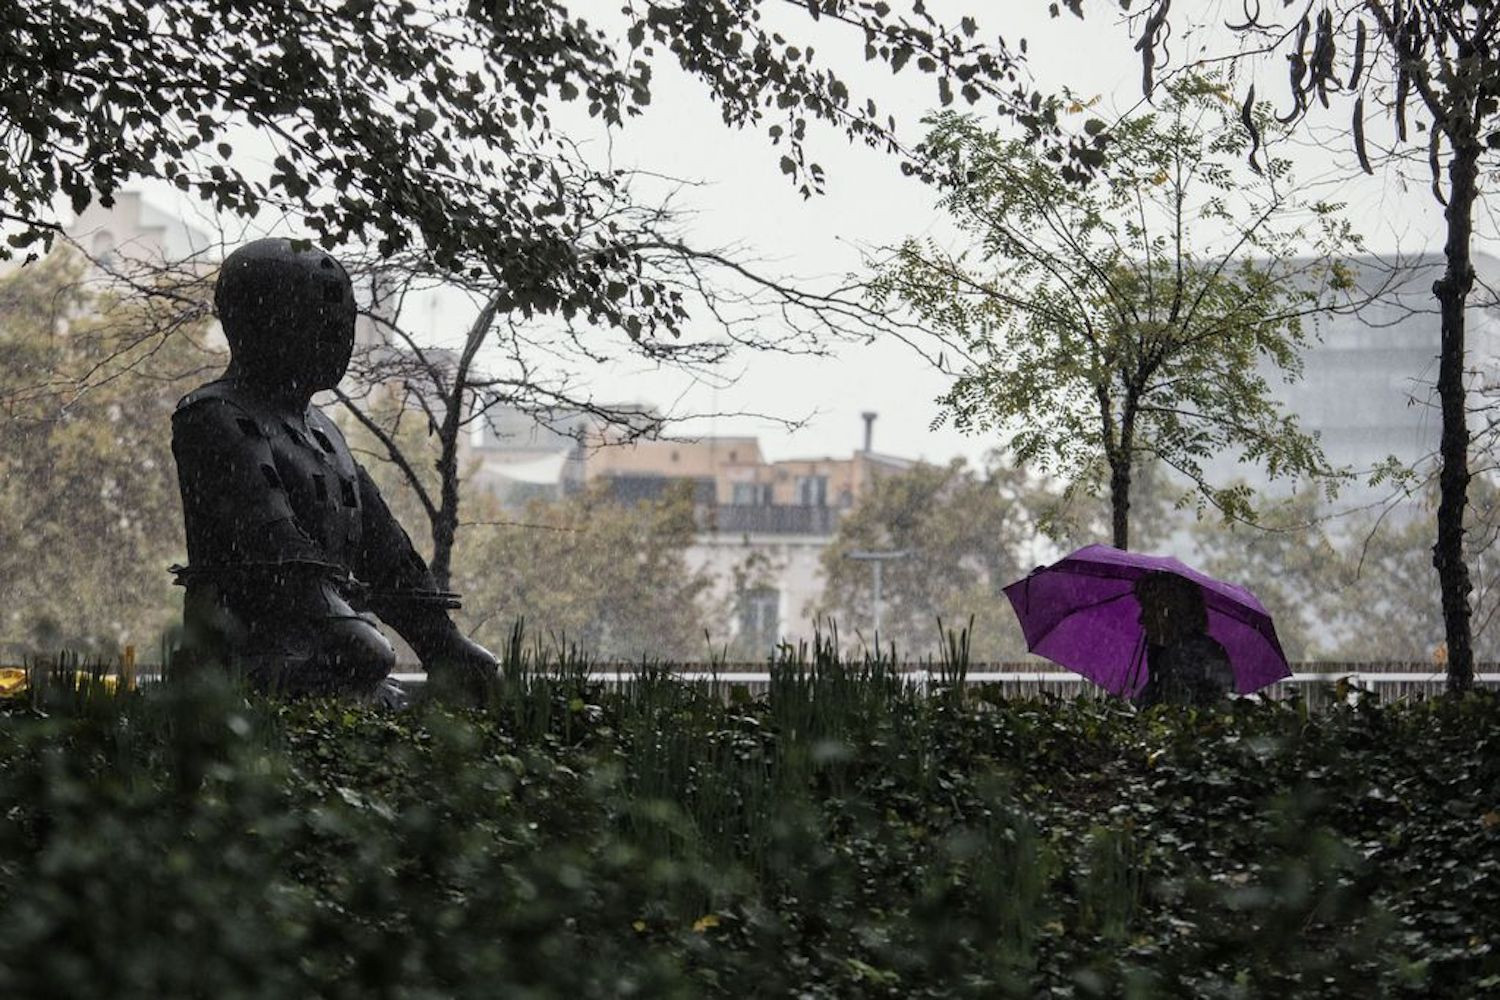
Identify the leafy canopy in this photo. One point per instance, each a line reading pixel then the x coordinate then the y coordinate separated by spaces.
pixel 1098 325
pixel 428 124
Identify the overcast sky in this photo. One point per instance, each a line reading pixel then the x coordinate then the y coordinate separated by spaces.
pixel 745 201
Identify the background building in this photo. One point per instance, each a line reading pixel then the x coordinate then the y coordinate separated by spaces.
pixel 133 229
pixel 1368 389
pixel 762 525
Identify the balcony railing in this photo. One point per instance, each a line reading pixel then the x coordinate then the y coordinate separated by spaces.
pixel 768 519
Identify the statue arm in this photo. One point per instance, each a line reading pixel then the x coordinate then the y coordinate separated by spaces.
pixel 386 558
pixel 405 595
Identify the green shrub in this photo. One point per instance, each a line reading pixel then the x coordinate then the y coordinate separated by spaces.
pixel 846 836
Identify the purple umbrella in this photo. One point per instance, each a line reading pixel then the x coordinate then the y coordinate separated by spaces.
pixel 1081 612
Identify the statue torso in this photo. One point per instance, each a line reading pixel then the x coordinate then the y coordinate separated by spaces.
pixel 301 456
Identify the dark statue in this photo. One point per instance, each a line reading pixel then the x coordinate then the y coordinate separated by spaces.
pixel 290 547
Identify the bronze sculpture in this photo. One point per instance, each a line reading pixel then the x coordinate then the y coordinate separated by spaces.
pixel 290 545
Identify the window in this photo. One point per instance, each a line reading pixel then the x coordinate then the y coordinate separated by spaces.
pixel 760 618
pixel 812 491
pixel 104 249
pixel 751 495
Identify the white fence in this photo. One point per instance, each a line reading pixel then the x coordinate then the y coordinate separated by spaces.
pixel 1389 681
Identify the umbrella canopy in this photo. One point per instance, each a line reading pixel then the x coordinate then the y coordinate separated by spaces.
pixel 1081 612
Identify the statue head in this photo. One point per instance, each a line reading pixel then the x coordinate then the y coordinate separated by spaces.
pixel 288 315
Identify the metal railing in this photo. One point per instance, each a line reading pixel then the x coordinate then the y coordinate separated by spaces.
pixel 1316 682
pixel 769 519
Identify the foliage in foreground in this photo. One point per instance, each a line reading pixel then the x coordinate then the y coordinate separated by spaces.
pixel 846 836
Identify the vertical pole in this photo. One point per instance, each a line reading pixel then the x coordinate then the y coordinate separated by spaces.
pixel 876 559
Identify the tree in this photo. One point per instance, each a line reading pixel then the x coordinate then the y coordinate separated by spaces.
pixel 964 535
pixel 88 491
pixel 1099 325
pixel 610 577
pixel 542 365
pixel 1428 66
pixel 449 395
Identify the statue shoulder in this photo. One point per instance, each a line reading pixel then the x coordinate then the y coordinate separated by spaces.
pixel 320 422
pixel 218 389
pixel 220 404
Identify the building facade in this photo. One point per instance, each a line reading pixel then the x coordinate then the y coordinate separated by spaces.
pixel 1368 388
pixel 762 525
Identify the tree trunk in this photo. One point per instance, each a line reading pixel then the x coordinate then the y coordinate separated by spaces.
pixel 445 525
pixel 445 522
pixel 1119 500
pixel 1120 472
pixel 1452 291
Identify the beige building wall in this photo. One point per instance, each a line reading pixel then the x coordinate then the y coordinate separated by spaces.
pixel 789 564
pixel 725 460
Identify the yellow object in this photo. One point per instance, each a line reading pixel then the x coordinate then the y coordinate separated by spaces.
pixel 13 680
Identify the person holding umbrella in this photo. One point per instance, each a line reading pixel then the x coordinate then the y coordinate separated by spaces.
pixel 1186 665
pixel 1148 628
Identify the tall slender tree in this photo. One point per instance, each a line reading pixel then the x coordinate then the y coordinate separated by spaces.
pixel 1100 326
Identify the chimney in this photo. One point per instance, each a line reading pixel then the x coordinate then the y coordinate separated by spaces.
pixel 869 418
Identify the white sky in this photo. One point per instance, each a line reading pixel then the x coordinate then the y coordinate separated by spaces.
pixel 744 200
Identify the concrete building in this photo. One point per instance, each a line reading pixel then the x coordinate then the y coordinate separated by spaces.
pixel 133 229
pixel 1368 389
